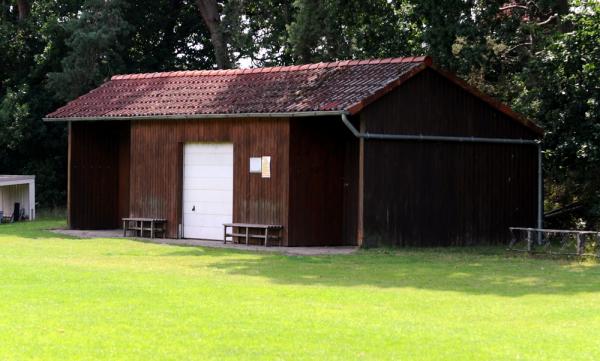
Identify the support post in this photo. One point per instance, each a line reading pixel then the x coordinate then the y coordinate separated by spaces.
pixel 32 199
pixel 361 187
pixel 266 236
pixel 540 193
pixel 69 171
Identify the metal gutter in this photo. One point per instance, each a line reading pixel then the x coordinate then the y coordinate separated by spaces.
pixel 200 116
pixel 437 138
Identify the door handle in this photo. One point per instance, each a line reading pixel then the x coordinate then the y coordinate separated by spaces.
pixel 193 208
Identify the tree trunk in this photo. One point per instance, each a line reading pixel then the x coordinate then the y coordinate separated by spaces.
pixel 23 7
pixel 210 14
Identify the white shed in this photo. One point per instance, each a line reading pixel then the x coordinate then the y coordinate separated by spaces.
pixel 17 189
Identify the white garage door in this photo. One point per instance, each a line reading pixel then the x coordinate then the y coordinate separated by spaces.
pixel 207 189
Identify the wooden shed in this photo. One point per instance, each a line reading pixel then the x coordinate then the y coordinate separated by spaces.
pixel 391 151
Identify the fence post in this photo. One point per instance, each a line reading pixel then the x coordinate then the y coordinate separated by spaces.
pixel 580 244
pixel 513 238
pixel 529 240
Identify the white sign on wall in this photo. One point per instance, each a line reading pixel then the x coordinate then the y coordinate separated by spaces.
pixel 255 165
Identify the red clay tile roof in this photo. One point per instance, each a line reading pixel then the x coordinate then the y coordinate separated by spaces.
pixel 337 86
pixel 344 86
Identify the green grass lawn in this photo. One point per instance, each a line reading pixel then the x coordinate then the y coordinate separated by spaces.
pixel 91 299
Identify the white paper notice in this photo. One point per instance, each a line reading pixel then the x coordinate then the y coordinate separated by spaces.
pixel 266 167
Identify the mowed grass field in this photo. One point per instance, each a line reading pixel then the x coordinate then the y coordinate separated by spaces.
pixel 112 299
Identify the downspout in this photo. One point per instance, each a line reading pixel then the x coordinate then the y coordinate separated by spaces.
pixel 436 138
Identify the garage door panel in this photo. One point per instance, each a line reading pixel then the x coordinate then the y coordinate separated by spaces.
pixel 212 220
pixel 210 233
pixel 208 159
pixel 209 171
pixel 217 208
pixel 209 184
pixel 207 189
pixel 210 196
pixel 207 148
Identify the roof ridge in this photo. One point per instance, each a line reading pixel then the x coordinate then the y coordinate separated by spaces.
pixel 274 69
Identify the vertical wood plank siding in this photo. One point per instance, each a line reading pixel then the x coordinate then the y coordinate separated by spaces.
pixel 156 151
pixel 322 186
pixel 124 166
pixel 98 174
pixel 437 193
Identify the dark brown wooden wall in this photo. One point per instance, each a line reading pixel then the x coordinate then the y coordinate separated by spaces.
pixel 156 171
pixel 98 152
pixel 439 194
pixel 322 183
pixel 431 104
pixel 124 168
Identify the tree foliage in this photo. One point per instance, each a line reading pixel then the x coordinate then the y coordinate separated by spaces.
pixel 561 90
pixel 95 47
pixel 539 56
pixel 340 29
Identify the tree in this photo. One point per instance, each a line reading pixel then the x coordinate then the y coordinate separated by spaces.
pixel 335 29
pixel 209 10
pixel 96 48
pixel 560 89
pixel 24 8
pixel 258 33
pixel 30 47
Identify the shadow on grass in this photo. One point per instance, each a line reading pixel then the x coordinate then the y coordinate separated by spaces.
pixel 476 270
pixel 480 271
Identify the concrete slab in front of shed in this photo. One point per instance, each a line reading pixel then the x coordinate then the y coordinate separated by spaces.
pixel 298 251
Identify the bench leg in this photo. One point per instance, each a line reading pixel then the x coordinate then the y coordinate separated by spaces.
pixel 224 234
pixel 124 229
pixel 247 236
pixel 266 237
pixel 151 229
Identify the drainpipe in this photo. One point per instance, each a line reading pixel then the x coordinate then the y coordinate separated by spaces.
pixel 436 138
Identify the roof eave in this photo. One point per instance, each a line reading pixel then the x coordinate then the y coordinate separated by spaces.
pixel 201 116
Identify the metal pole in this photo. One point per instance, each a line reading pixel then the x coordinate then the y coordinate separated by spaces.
pixel 540 222
pixel 540 195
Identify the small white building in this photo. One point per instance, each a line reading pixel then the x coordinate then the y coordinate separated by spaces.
pixel 17 189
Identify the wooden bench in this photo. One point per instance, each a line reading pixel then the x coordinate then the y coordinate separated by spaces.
pixel 152 225
pixel 243 230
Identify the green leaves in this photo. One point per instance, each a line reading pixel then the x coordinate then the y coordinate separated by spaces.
pixel 564 81
pixel 334 30
pixel 14 118
pixel 95 48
